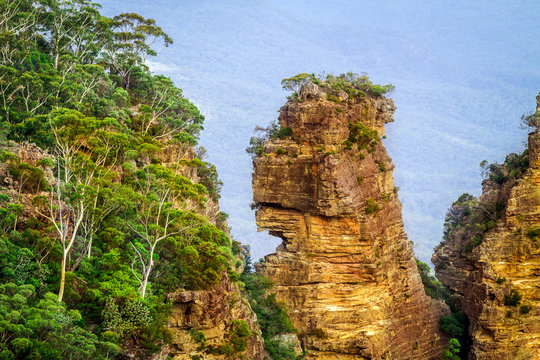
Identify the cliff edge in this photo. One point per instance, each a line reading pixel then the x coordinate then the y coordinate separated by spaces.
pixel 490 258
pixel 345 269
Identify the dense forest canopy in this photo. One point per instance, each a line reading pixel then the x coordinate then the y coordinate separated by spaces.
pixel 102 193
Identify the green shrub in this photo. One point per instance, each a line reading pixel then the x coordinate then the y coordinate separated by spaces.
pixel 272 316
pixel 453 350
pixel 432 287
pixel 361 135
pixel 534 233
pixel 199 337
pixel 453 325
pixel 333 98
pixel 524 309
pixel 283 132
pixel 512 299
pixel 239 335
pixel 500 280
pixel 372 207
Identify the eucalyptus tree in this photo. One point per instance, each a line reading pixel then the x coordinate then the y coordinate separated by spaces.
pixel 131 40
pixel 81 158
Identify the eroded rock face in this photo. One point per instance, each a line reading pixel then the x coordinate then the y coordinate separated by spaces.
pixel 506 262
pixel 345 269
pixel 212 313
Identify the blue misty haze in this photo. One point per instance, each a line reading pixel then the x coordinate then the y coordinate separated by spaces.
pixel 464 74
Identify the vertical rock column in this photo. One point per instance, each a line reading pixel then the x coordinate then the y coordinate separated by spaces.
pixel 345 268
pixel 506 264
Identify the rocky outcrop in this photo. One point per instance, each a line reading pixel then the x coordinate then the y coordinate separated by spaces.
pixel 210 312
pixel 345 269
pixel 497 283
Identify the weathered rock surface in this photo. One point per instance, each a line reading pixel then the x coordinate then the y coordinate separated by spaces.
pixel 345 269
pixel 211 312
pixel 208 311
pixel 507 260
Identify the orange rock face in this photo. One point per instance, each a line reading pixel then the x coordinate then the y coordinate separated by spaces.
pixel 345 268
pixel 506 262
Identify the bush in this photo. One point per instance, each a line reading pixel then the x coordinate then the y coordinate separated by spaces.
pixel 533 233
pixel 453 325
pixel 272 316
pixel 282 133
pixel 361 135
pixel 524 309
pixel 240 334
pixel 512 299
pixel 453 350
pixel 432 286
pixel 372 207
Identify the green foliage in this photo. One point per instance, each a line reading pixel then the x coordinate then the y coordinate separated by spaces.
pixel 513 298
pixel 454 325
pixel 513 168
pixel 282 133
pixel 272 316
pixel 361 135
pixel 453 350
pixel 531 120
pixel 207 172
pixel 239 335
pixel 296 82
pixel 75 83
pixel 272 131
pixel 372 208
pixel 524 309
pixel 471 218
pixel 279 351
pixel 533 233
pixel 199 337
pixel 433 287
pixel 44 328
pixel 355 85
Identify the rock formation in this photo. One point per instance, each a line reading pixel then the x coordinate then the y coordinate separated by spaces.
pixel 345 269
pixel 497 281
pixel 209 312
pixel 212 313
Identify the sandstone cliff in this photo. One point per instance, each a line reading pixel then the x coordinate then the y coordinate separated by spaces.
pixel 207 312
pixel 211 313
pixel 345 268
pixel 495 276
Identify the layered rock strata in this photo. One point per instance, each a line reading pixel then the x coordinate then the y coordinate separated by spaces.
pixel 497 283
pixel 345 269
pixel 210 312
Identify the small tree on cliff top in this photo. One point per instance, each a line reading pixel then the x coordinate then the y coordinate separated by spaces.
pixel 296 82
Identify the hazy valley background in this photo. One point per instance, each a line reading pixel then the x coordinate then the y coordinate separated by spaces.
pixel 464 74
